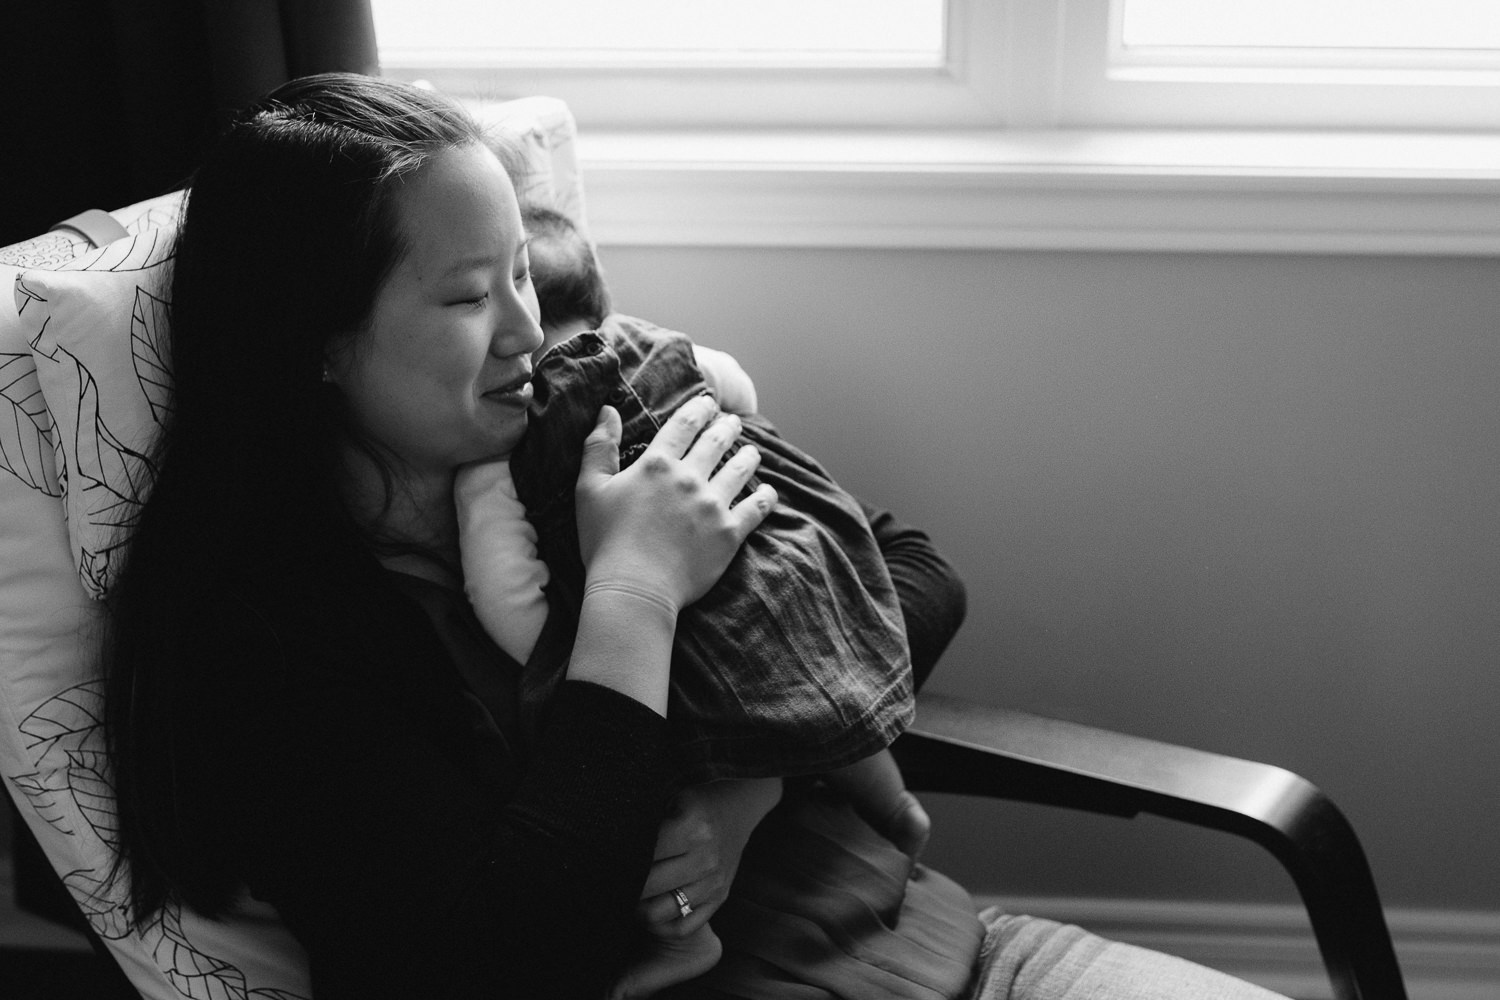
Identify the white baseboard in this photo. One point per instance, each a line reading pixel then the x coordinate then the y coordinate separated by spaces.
pixel 1444 954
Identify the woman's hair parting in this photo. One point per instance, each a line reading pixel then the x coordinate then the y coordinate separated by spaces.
pixel 290 228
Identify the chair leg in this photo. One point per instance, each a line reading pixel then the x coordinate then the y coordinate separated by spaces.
pixel 1323 855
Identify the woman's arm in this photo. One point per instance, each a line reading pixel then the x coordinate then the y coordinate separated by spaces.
pixel 414 858
pixel 933 598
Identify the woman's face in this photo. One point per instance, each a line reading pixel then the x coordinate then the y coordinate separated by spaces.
pixel 442 375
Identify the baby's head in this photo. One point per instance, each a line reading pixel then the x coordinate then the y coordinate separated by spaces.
pixel 569 286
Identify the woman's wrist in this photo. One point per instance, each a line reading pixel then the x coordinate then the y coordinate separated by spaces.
pixel 624 640
pixel 631 589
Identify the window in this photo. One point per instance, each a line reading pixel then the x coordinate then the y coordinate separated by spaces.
pixel 1308 125
pixel 966 63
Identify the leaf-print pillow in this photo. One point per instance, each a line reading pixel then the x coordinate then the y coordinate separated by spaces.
pixel 97 330
pixel 544 132
pixel 52 759
pixel 26 442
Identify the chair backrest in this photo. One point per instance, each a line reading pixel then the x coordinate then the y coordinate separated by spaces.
pixel 83 378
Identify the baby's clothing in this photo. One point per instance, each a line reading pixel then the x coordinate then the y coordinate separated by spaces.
pixel 795 662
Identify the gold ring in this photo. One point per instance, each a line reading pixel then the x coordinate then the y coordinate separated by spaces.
pixel 683 906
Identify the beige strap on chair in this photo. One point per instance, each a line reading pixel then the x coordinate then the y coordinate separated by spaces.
pixel 95 225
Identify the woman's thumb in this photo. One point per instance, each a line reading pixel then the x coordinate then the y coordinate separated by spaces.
pixel 601 449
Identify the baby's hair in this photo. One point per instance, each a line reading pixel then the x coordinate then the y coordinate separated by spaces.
pixel 564 270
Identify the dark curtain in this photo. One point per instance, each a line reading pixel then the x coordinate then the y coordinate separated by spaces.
pixel 109 101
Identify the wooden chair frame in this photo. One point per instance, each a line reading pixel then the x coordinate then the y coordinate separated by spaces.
pixel 967 748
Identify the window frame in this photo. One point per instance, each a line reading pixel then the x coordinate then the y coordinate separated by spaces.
pixel 1104 84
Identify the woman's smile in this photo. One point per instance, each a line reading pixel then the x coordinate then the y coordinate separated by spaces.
pixel 517 393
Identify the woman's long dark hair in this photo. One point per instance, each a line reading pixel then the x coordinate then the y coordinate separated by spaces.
pixel 289 230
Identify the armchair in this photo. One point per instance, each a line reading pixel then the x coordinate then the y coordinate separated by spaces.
pixel 50 758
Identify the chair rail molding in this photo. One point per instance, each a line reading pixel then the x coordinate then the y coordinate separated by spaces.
pixel 1444 954
pixel 1052 189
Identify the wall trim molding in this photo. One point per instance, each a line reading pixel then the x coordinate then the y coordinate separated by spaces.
pixel 1052 190
pixel 1444 954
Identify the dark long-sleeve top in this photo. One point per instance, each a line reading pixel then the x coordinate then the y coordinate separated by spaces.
pixel 382 805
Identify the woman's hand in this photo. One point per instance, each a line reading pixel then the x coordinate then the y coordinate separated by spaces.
pixel 697 854
pixel 698 851
pixel 666 527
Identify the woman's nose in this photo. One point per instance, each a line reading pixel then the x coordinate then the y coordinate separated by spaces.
pixel 517 329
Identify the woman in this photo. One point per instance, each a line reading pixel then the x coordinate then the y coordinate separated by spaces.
pixel 298 701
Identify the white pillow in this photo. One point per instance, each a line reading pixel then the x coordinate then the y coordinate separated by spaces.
pixel 96 327
pixel 547 136
pixel 51 747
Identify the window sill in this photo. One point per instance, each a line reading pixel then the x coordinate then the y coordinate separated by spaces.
pixel 1061 189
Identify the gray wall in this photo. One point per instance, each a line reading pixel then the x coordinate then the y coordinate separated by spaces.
pixel 1247 503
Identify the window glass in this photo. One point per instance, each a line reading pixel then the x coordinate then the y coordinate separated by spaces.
pixel 604 32
pixel 1332 24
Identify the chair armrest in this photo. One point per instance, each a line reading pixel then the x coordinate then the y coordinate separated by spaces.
pixel 968 748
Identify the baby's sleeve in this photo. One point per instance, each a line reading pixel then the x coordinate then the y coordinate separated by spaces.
pixel 503 575
pixel 731 384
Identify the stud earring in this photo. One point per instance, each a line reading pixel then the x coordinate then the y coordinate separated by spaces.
pixel 327 375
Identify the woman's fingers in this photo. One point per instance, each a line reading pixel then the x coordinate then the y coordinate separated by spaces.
pixel 674 873
pixel 601 449
pixel 749 512
pixel 736 472
pixel 662 913
pixel 715 440
pixel 683 427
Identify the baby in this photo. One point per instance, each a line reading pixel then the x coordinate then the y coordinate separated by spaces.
pixel 795 663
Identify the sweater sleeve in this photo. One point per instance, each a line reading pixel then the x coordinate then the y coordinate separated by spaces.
pixel 933 599
pixel 408 863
